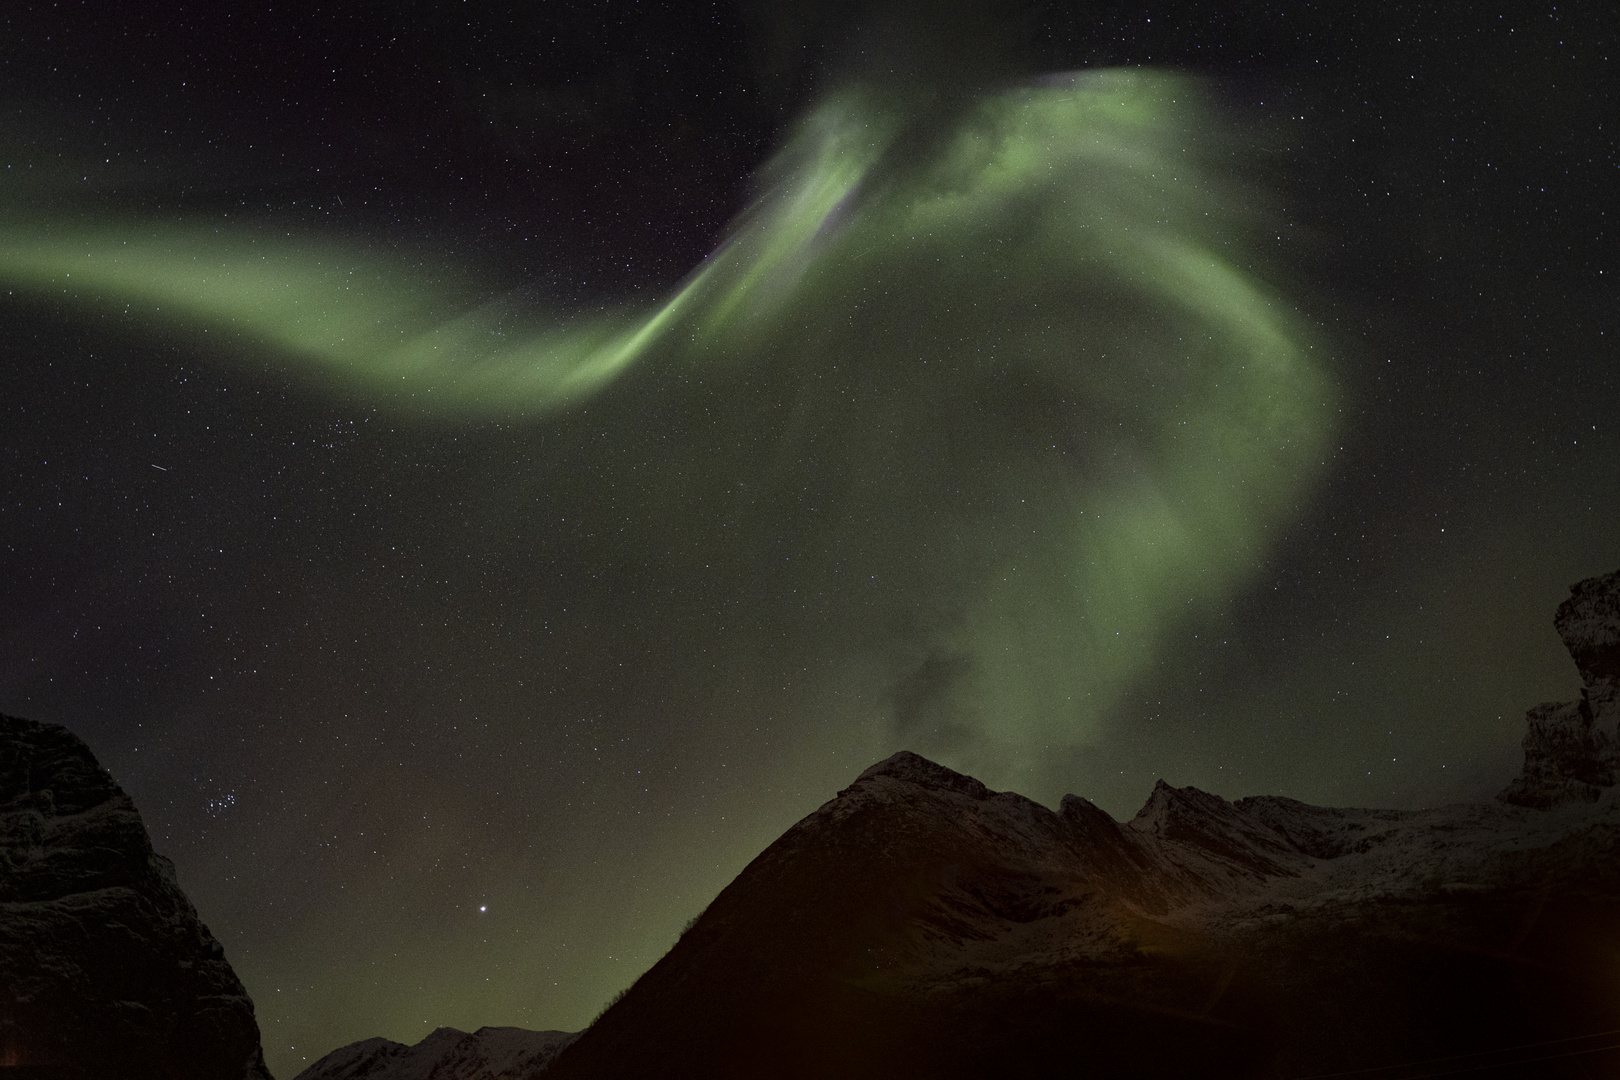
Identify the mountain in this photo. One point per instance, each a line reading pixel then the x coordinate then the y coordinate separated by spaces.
pixel 1571 750
pixel 105 969
pixel 922 925
pixel 490 1053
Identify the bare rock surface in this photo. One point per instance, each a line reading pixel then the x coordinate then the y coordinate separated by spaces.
pixel 105 969
pixel 490 1053
pixel 1589 623
pixel 1572 749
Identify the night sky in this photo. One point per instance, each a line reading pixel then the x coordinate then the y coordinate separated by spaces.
pixel 477 472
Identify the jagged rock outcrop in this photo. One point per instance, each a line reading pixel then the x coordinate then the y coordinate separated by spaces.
pixel 490 1053
pixel 105 969
pixel 1572 748
pixel 922 925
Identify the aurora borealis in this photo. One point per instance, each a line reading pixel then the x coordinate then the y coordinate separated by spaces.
pixel 463 608
pixel 1060 245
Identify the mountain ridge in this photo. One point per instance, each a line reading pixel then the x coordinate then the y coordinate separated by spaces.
pixel 921 924
pixel 995 936
pixel 490 1053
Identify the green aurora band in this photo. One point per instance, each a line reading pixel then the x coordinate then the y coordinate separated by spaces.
pixel 1060 269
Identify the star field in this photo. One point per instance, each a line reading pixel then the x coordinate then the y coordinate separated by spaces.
pixel 456 715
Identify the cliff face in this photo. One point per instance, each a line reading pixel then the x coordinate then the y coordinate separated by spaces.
pixel 105 969
pixel 1572 748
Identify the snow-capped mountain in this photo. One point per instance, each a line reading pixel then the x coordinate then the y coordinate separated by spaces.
pixel 919 924
pixel 490 1053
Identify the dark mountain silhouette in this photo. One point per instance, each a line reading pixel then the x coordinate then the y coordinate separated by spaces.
pixel 105 969
pixel 921 925
pixel 1572 751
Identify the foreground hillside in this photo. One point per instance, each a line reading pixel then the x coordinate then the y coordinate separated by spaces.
pixel 921 925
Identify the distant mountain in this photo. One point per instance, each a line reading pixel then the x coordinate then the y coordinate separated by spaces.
pixel 106 973
pixel 490 1053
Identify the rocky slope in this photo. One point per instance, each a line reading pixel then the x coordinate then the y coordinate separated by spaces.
pixel 490 1053
pixel 1572 750
pixel 105 969
pixel 921 925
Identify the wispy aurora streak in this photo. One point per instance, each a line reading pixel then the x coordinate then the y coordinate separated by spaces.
pixel 1064 253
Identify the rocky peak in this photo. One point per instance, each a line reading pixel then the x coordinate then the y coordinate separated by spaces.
pixel 1572 748
pixel 915 769
pixel 106 973
pixel 1214 827
pixel 1085 818
pixel 65 827
pixel 1589 623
